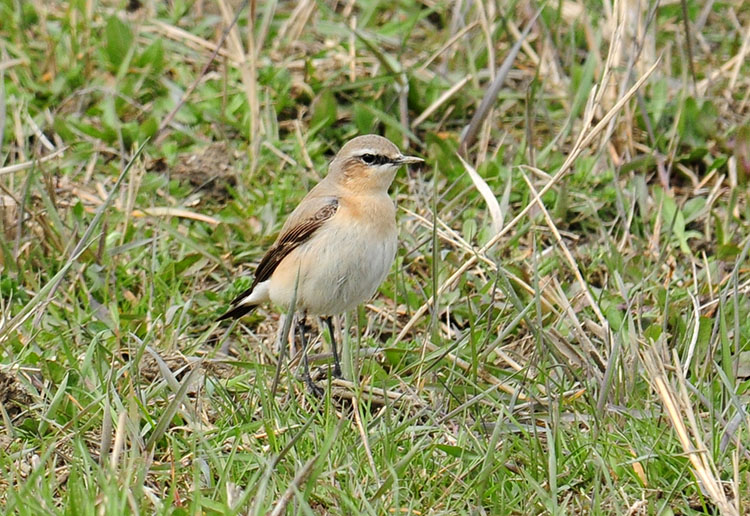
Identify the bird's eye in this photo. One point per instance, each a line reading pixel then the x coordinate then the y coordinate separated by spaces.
pixel 369 158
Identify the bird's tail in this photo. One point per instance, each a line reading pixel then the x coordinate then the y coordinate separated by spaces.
pixel 237 312
pixel 246 301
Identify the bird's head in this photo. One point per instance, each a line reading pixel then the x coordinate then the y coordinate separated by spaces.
pixel 368 162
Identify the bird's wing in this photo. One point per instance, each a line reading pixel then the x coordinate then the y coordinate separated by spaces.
pixel 298 229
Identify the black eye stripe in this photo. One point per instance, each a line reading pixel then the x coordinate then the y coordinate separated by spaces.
pixel 375 159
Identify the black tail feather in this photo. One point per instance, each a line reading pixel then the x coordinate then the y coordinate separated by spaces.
pixel 237 312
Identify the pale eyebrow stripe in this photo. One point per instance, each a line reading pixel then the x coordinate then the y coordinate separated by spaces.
pixel 362 152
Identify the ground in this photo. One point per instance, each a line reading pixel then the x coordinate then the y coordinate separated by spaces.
pixel 565 329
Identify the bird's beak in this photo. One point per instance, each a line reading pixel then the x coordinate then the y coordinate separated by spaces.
pixel 409 159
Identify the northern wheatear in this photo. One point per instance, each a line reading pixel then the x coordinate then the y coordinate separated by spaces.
pixel 337 246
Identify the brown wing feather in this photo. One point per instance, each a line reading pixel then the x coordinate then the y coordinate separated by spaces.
pixel 287 242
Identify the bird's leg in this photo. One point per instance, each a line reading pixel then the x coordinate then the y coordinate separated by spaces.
pixel 336 363
pixel 302 329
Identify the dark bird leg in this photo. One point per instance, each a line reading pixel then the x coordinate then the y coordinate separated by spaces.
pixel 336 362
pixel 302 329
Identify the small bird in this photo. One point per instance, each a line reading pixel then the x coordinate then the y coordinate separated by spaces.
pixel 337 246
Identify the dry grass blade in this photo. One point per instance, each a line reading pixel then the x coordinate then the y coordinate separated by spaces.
pixel 496 214
pixel 351 390
pixel 168 211
pixel 491 95
pixel 566 252
pixel 676 403
pixel 742 58
pixel 448 44
pixel 363 436
pixel 695 335
pixel 248 67
pixel 28 164
pixel 188 39
pixel 302 474
pixel 293 488
pixel 293 27
pixel 583 141
pixel 122 420
pixel 440 101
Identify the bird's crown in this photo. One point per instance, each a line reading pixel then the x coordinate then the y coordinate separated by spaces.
pixel 371 149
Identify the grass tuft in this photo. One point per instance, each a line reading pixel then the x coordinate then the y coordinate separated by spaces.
pixel 565 330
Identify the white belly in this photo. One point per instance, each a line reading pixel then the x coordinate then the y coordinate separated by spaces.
pixel 339 269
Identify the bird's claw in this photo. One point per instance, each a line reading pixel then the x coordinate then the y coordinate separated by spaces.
pixel 313 388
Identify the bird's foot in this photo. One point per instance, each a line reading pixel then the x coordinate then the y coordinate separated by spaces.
pixel 314 388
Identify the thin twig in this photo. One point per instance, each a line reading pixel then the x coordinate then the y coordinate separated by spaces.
pixel 160 134
pixel 491 95
pixel 688 42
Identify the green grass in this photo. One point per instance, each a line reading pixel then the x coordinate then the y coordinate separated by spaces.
pixel 520 377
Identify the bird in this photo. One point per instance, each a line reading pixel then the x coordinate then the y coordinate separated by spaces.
pixel 336 247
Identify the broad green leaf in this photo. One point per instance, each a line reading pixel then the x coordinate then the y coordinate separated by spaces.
pixel 119 39
pixel 323 110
